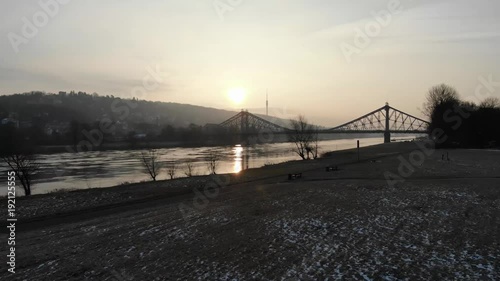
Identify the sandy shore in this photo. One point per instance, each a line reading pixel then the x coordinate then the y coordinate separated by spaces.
pixel 434 220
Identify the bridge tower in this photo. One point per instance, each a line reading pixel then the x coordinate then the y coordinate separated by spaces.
pixel 387 132
pixel 244 122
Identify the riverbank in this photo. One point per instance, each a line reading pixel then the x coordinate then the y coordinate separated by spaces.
pixel 110 168
pixel 63 202
pixel 439 221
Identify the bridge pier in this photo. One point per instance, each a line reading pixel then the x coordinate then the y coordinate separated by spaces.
pixel 387 137
pixel 244 122
pixel 387 133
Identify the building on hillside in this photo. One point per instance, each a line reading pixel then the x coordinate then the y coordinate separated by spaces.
pixel 56 127
pixel 10 121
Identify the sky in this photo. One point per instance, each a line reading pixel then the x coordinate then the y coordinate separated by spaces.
pixel 330 60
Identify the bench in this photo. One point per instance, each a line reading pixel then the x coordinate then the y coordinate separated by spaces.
pixel 331 168
pixel 294 176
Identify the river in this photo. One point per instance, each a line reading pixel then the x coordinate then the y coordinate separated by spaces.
pixel 96 169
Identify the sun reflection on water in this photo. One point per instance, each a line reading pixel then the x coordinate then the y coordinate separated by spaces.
pixel 238 158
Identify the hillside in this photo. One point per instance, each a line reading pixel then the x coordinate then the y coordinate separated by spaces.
pixel 66 118
pixel 88 108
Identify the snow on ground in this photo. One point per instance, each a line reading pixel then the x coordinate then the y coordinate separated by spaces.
pixel 328 226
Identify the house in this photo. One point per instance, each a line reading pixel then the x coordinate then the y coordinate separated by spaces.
pixel 10 121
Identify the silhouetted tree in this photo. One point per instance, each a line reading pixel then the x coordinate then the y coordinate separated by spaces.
pixel 171 170
pixel 462 124
pixel 490 102
pixel 439 95
pixel 189 169
pixel 314 146
pixel 304 136
pixel 213 161
pixel 151 163
pixel 25 164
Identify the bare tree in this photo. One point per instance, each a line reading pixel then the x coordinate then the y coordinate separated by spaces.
pixel 151 164
pixel 314 146
pixel 304 136
pixel 440 94
pixel 490 102
pixel 26 166
pixel 171 170
pixel 213 161
pixel 189 169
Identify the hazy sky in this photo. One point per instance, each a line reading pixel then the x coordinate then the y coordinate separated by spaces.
pixel 292 48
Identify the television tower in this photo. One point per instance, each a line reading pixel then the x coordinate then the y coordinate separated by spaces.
pixel 267 105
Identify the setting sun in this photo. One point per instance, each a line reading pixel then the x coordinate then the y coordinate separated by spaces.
pixel 237 95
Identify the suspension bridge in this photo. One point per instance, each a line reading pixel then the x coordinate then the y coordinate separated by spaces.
pixel 384 120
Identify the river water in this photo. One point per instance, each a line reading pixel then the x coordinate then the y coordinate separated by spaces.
pixel 109 168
